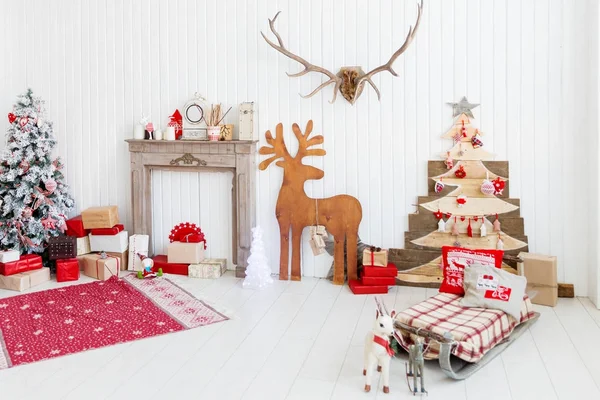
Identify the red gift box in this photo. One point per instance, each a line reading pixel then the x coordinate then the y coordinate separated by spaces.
pixel 67 270
pixel 27 262
pixel 389 271
pixel 358 288
pixel 75 227
pixel 378 280
pixel 108 231
pixel 160 261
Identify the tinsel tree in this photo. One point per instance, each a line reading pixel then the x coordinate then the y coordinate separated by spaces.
pixel 258 272
pixel 35 198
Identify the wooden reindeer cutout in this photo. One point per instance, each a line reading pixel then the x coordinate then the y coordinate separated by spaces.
pixel 341 214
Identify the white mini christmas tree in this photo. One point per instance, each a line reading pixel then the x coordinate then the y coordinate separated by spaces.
pixel 258 272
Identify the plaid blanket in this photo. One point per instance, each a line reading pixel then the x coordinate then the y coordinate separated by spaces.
pixel 476 330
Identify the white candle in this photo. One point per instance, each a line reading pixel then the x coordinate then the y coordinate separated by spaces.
pixel 138 132
pixel 158 135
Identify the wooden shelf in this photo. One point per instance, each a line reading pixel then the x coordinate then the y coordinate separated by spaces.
pixel 191 141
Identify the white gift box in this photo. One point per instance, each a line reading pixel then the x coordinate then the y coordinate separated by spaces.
pixel 83 246
pixel 138 244
pixel 113 243
pixel 7 256
pixel 211 268
pixel 185 253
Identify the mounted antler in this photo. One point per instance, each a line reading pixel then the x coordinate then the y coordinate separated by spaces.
pixel 349 81
pixel 278 148
pixel 308 67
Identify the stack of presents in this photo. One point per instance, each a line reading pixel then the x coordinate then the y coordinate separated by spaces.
pixel 97 245
pixel 377 274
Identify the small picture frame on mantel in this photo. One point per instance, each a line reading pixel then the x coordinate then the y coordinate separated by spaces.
pixel 194 125
pixel 248 120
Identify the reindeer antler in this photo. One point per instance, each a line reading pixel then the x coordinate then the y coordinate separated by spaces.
pixel 308 67
pixel 388 65
pixel 304 143
pixel 278 148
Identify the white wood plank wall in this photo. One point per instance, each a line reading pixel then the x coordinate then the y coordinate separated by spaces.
pixel 102 64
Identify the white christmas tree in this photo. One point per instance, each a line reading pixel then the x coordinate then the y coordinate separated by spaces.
pixel 258 272
pixel 35 198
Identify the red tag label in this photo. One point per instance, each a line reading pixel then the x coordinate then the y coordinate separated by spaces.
pixel 502 293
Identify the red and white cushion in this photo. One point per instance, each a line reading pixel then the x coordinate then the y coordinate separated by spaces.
pixel 455 259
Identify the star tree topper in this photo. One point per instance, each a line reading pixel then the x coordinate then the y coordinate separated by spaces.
pixel 463 106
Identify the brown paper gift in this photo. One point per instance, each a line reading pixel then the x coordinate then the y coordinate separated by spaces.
pixel 83 245
pixel 540 272
pixel 96 267
pixel 25 280
pixel 185 253
pixel 375 258
pixel 100 217
pixel 123 257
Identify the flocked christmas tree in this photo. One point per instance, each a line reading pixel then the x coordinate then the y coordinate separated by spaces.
pixel 258 272
pixel 35 198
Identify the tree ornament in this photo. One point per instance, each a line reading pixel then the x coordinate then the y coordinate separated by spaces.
pixel 438 214
pixel 476 140
pixel 439 186
pixel 460 172
pixel 49 223
pixel 461 200
pixel 449 162
pixel 463 107
pixel 469 229
pixel 497 224
pixel 499 243
pixel 463 218
pixel 487 187
pixel 483 229
pixel 448 215
pixel 50 185
pixel 455 228
pixel 27 213
pixel 475 218
pixel 463 130
pixel 23 121
pixel 11 117
pixel 441 225
pixel 499 185
pixel 24 165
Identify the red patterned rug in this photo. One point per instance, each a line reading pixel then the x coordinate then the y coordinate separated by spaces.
pixel 53 323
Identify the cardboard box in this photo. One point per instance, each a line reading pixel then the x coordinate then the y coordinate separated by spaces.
pixel 541 275
pixel 83 245
pixel 96 267
pixel 210 268
pixel 100 217
pixel 27 262
pixel 376 258
pixel 112 243
pixel 358 287
pixel 389 271
pixel 185 253
pixel 7 256
pixel 160 262
pixel 25 280
pixel 123 258
pixel 138 244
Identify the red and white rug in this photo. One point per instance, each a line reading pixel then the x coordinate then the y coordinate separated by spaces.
pixel 53 323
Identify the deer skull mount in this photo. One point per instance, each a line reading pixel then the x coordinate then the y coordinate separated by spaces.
pixel 349 81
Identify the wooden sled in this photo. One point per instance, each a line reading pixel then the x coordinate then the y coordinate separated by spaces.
pixel 465 370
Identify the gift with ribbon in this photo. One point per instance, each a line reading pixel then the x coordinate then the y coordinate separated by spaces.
pixel 111 243
pixel 7 256
pixel 100 217
pixel 108 231
pixel 210 268
pixel 541 274
pixel 100 266
pixel 75 227
pixel 375 257
pixel 161 262
pixel 67 270
pixel 27 262
pixel 25 280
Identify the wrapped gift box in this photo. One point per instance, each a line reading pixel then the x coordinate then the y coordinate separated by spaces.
pixel 99 268
pixel 161 262
pixel 185 253
pixel 210 268
pixel 75 227
pixel 378 280
pixel 83 245
pixel 25 280
pixel 358 287
pixel 108 231
pixel 389 271
pixel 100 217
pixel 123 258
pixel 541 275
pixel 375 258
pixel 111 243
pixel 138 244
pixel 7 256
pixel 67 270
pixel 27 262
pixel 62 247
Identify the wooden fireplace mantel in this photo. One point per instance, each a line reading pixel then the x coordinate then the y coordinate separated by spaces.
pixel 238 156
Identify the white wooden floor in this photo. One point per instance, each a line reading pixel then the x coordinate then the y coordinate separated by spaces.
pixel 303 340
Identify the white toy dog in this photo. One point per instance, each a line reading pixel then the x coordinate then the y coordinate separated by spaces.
pixel 377 349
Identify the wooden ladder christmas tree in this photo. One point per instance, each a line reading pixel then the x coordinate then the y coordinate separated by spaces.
pixel 467 206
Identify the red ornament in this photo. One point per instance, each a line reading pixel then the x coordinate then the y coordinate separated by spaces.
pixel 469 229
pixel 11 117
pixel 462 218
pixel 438 214
pixel 460 172
pixel 448 215
pixel 499 185
pixel 23 121
pixel 461 200
pixel 476 219
pixel 186 232
pixel 50 185
pixel 439 186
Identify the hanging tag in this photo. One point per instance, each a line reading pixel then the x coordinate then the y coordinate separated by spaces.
pixel 318 239
pixel 315 248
